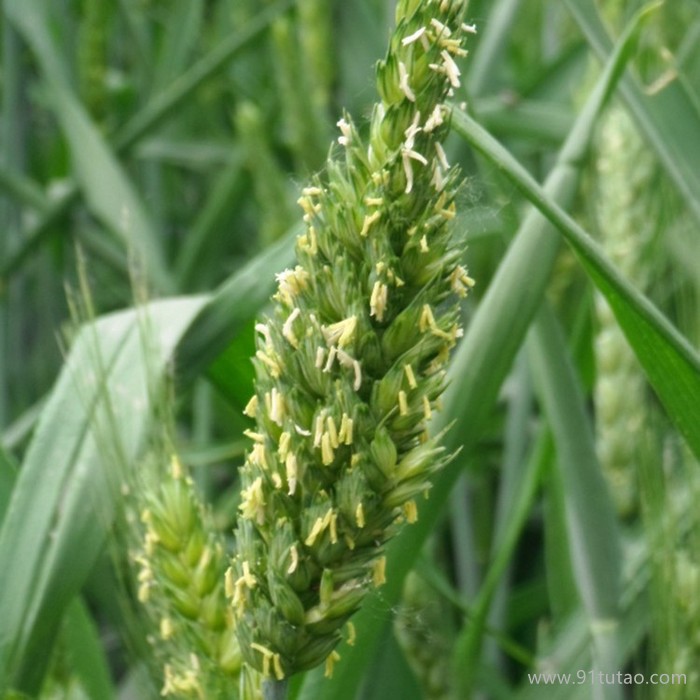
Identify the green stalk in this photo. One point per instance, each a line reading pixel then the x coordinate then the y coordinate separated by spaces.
pixel 467 651
pixel 591 525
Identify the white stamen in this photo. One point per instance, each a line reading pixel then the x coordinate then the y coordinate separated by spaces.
pixel 265 332
pixel 441 155
pixel 346 132
pixel 403 82
pixel 350 362
pixel 412 131
pixel 290 465
pixel 413 37
pixel 294 555
pixel 451 69
pixel 288 331
pixel 406 156
pixel 277 409
pixel 438 181
pixel 331 358
pixel 441 28
pixel 435 119
pixel 378 300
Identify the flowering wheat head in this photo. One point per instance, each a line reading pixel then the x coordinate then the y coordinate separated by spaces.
pixel 181 560
pixel 351 363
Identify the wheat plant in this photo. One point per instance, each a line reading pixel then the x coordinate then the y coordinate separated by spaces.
pixel 430 493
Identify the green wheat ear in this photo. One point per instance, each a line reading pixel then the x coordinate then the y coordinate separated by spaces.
pixel 181 560
pixel 351 364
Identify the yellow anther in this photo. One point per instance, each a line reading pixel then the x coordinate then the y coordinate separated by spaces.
pixel 403 403
pixel 360 515
pixel 251 407
pixel 228 583
pixel 247 578
pixel 341 333
pixel 331 661
pixel 352 634
pixel 326 449
pixel 332 432
pixel 379 572
pixel 259 455
pixel 256 437
pixel 368 221
pixel 283 445
pixel 427 320
pixel 410 511
pixel 252 506
pixel 291 283
pixel 346 427
pixel 277 409
pixel 427 411
pixel 334 528
pixel 271 363
pixel 460 282
pixel 410 376
pixel 309 241
pixel 277 665
pixel 378 300
pixel 318 430
pixel 294 556
pixel 316 530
